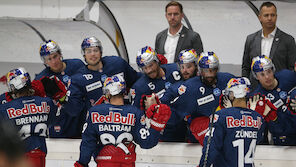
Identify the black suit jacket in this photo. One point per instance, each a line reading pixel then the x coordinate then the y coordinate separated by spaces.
pixel 188 40
pixel 282 53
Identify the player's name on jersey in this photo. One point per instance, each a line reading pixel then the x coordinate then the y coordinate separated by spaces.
pixel 113 128
pixel 113 117
pixel 245 121
pixel 31 119
pixel 28 109
pixel 246 134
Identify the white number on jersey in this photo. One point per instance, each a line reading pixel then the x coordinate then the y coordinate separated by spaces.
pixel 249 157
pixel 202 90
pixel 25 131
pixel 108 138
pixel 151 86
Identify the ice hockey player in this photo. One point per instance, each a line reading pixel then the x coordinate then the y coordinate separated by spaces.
pixel 275 87
pixel 157 79
pixel 176 126
pixel 117 126
pixel 86 86
pixel 234 130
pixel 31 114
pixel 51 55
pixel 200 95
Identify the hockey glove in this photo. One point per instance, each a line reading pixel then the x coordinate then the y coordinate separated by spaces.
pixel 199 127
pixel 38 88
pixel 77 164
pixel 264 107
pixel 147 100
pixel 159 115
pixel 54 88
pixel 162 59
pixel 224 102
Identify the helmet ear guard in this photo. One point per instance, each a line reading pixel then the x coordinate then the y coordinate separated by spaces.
pixel 261 63
pixel 145 56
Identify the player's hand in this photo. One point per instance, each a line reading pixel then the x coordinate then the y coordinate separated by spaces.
pixel 147 100
pixel 266 109
pixel 226 102
pixel 253 101
pixel 54 88
pixel 159 115
pixel 151 100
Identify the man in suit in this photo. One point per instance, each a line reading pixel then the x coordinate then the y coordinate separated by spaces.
pixel 271 42
pixel 171 41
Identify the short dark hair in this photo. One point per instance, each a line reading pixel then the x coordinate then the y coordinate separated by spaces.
pixel 267 4
pixel 174 3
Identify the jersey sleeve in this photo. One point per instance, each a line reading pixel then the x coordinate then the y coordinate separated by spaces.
pixel 136 93
pixel 144 136
pixel 52 118
pixel 214 144
pixel 75 98
pixel 171 94
pixel 89 142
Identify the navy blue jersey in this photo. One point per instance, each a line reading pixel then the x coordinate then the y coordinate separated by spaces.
pixel 282 129
pixel 234 136
pixel 72 66
pixel 198 99
pixel 175 129
pixel 31 115
pixel 114 124
pixel 147 86
pixel 86 89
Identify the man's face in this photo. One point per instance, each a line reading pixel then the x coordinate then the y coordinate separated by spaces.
pixel 152 70
pixel 266 79
pixel 268 17
pixel 209 76
pixel 174 16
pixel 92 56
pixel 54 61
pixel 188 70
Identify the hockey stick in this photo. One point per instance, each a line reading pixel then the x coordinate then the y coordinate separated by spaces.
pixel 210 137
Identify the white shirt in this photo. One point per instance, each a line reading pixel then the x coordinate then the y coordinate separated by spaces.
pixel 171 45
pixel 266 42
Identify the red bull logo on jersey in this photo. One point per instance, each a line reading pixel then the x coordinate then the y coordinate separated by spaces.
pixel 113 117
pixel 28 109
pixel 245 121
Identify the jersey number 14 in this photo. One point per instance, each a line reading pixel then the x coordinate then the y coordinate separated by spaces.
pixel 242 158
